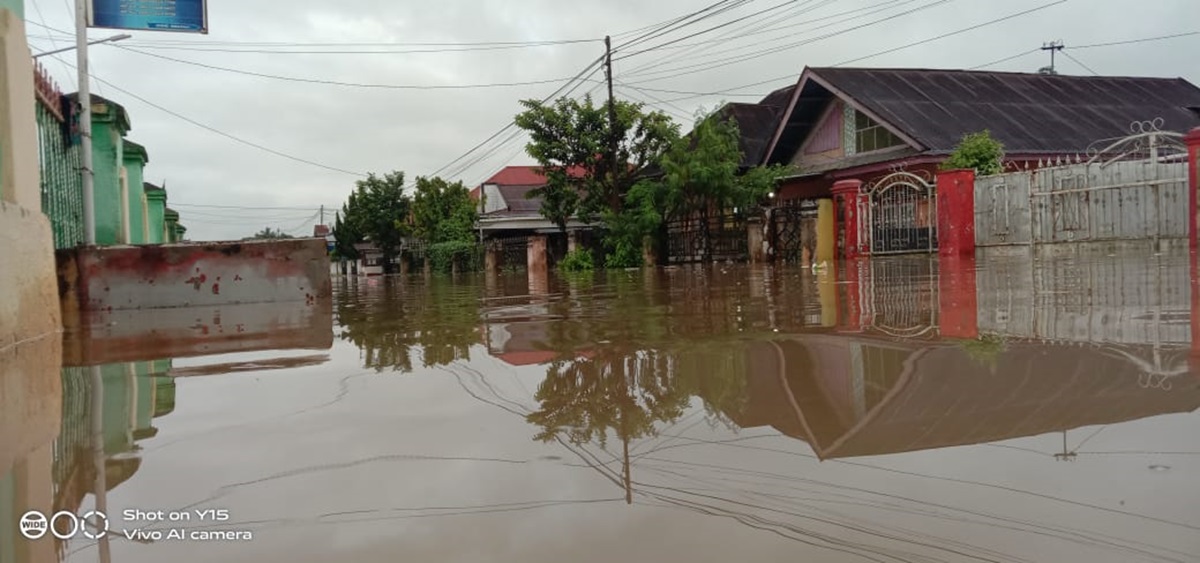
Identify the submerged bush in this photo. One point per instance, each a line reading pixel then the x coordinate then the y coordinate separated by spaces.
pixel 577 261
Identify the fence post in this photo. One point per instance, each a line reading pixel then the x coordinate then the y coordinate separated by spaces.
pixel 847 196
pixel 956 212
pixel 1193 146
pixel 826 233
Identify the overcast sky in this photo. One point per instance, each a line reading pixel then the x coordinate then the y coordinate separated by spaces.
pixel 360 129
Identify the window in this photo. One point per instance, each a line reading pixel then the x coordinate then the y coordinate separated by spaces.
pixel 871 136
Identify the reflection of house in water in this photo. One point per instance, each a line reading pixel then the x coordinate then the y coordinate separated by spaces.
pixel 855 397
pixel 517 333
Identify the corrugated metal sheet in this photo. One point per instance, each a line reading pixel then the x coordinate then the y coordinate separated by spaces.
pixel 1032 113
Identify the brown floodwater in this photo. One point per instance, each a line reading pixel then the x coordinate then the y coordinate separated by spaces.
pixel 898 410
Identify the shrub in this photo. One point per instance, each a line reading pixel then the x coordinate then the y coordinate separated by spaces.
pixel 577 261
pixel 444 255
pixel 977 151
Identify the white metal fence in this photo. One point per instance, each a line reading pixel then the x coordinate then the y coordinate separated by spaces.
pixel 1132 189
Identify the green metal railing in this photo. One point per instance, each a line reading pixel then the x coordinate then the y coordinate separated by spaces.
pixel 59 154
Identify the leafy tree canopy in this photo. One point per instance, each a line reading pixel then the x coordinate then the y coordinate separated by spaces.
pixel 378 211
pixel 977 151
pixel 443 212
pixel 571 141
pixel 268 233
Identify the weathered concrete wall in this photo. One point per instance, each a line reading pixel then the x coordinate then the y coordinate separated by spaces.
pixel 30 397
pixel 28 306
pixel 184 332
pixel 193 275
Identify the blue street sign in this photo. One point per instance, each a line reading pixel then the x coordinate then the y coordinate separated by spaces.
pixel 188 16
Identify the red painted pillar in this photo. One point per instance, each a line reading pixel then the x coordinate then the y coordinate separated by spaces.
pixel 850 317
pixel 1193 145
pixel 848 196
pixel 956 212
pixel 958 305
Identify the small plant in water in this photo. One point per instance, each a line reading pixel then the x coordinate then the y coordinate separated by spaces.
pixel 985 350
pixel 577 261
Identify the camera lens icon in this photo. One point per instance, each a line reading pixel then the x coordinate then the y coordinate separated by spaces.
pixel 93 525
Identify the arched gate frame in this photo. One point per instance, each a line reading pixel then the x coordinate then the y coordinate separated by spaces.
pixel 901 214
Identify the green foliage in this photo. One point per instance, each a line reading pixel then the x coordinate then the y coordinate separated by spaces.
pixel 345 234
pixel 979 152
pixel 443 256
pixel 571 140
pixel 443 212
pixel 377 211
pixel 577 261
pixel 269 234
pixel 985 350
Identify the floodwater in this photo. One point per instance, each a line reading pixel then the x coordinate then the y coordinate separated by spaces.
pixel 901 410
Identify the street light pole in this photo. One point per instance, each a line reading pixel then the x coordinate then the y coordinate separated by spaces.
pixel 85 122
pixel 112 39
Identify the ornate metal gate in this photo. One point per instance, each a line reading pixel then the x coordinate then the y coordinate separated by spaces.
pixel 902 214
pixel 793 230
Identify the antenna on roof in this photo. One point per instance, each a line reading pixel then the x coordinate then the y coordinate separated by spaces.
pixel 1053 47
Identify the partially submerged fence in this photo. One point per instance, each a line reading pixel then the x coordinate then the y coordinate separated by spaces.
pixel 1134 188
pixel 59 159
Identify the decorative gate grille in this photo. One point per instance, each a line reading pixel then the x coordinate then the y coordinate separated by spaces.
pixel 715 238
pixel 902 214
pixel 514 252
pixel 793 230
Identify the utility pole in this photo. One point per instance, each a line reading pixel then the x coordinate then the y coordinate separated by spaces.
pixel 1053 47
pixel 85 122
pixel 322 214
pixel 614 197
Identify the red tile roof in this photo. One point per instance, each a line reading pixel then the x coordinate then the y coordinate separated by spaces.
pixel 523 176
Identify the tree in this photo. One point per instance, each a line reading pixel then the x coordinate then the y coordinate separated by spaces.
pixel 977 151
pixel 571 141
pixel 443 212
pixel 345 235
pixel 268 234
pixel 377 211
pixel 701 175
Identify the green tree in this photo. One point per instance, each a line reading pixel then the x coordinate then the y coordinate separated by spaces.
pixel 702 175
pixel 443 212
pixel 345 234
pixel 979 152
pixel 268 234
pixel 572 142
pixel 378 211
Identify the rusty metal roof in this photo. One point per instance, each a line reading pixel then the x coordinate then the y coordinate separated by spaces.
pixel 1034 113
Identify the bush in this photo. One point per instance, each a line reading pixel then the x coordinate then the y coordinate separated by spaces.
pixel 443 256
pixel 977 151
pixel 577 261
pixel 624 255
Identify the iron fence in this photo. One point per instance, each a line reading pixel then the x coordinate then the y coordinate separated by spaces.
pixel 717 237
pixel 59 160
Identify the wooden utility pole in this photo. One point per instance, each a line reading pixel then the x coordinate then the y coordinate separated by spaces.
pixel 614 196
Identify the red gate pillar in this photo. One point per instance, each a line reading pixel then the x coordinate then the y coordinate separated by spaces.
pixel 956 212
pixel 1193 144
pixel 848 198
pixel 958 303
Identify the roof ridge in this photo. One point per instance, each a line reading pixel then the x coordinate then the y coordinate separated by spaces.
pixel 819 69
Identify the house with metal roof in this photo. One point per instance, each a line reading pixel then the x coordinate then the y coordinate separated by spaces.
pixel 863 123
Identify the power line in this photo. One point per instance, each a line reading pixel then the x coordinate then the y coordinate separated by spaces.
pixel 218 131
pixel 338 83
pixel 957 32
pixel 714 28
pixel 1132 41
pixel 1080 63
pixel 1006 59
pixel 703 67
pixel 378 51
pixel 680 22
pixel 246 207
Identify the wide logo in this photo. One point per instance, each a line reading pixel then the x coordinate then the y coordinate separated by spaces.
pixel 64 525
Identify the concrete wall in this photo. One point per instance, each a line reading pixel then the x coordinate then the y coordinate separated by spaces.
pixel 156 208
pixel 103 337
pixel 193 275
pixel 28 306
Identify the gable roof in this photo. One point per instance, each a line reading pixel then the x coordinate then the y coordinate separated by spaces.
pixel 1027 112
pixel 756 123
pixel 523 176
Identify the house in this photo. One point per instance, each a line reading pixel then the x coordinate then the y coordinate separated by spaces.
pixel 885 132
pixel 509 214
